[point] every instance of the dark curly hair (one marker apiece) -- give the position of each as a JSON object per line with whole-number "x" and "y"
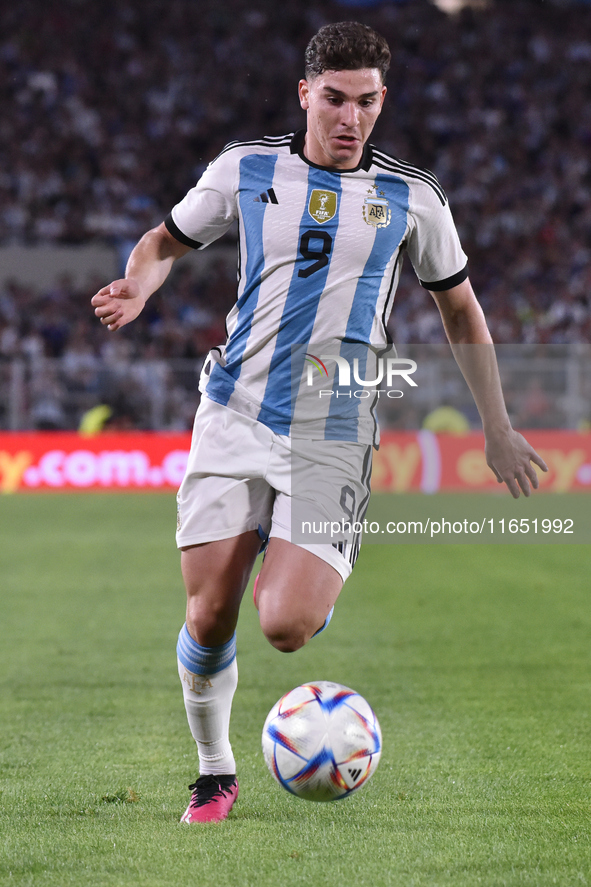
{"x": 346, "y": 46}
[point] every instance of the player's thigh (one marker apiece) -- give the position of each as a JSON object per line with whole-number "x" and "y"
{"x": 223, "y": 493}
{"x": 321, "y": 510}
{"x": 296, "y": 590}
{"x": 215, "y": 575}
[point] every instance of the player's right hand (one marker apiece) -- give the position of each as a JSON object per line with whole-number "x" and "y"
{"x": 118, "y": 303}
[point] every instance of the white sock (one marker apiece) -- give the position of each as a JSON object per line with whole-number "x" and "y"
{"x": 209, "y": 676}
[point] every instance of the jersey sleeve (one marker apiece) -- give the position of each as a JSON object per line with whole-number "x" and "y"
{"x": 433, "y": 244}
{"x": 207, "y": 210}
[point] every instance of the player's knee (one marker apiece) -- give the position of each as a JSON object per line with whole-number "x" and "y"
{"x": 284, "y": 636}
{"x": 286, "y": 643}
{"x": 210, "y": 626}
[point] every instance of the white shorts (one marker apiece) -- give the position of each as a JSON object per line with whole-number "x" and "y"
{"x": 239, "y": 478}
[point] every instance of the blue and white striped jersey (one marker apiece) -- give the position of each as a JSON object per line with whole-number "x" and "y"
{"x": 320, "y": 255}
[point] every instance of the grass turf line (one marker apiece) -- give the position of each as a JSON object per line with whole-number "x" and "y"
{"x": 476, "y": 659}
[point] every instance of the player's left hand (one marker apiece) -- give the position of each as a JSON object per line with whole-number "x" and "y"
{"x": 510, "y": 457}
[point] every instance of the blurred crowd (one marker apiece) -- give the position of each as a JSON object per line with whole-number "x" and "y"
{"x": 110, "y": 112}
{"x": 65, "y": 362}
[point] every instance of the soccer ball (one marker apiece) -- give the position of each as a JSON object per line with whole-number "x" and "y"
{"x": 322, "y": 741}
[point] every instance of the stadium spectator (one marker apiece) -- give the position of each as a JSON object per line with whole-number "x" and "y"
{"x": 111, "y": 111}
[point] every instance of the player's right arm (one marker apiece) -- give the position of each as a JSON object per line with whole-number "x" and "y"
{"x": 148, "y": 267}
{"x": 205, "y": 213}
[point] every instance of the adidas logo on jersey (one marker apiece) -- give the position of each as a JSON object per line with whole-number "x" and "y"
{"x": 268, "y": 196}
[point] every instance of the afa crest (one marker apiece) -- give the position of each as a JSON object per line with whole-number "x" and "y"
{"x": 376, "y": 209}
{"x": 322, "y": 206}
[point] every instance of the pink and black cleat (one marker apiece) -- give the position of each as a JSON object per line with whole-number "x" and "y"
{"x": 212, "y": 798}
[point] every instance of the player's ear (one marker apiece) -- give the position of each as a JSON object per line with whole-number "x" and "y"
{"x": 304, "y": 94}
{"x": 383, "y": 96}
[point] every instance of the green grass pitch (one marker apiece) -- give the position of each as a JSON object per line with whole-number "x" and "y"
{"x": 476, "y": 659}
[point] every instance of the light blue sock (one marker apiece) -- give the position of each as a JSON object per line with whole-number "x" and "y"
{"x": 204, "y": 660}
{"x": 326, "y": 621}
{"x": 209, "y": 676}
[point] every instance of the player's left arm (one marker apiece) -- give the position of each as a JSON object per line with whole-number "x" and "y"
{"x": 508, "y": 454}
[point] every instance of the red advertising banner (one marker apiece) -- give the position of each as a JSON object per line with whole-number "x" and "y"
{"x": 406, "y": 461}
{"x": 66, "y": 461}
{"x": 428, "y": 462}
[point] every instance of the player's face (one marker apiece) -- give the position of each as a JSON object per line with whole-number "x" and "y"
{"x": 342, "y": 107}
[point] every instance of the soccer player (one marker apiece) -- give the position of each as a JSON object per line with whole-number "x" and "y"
{"x": 324, "y": 220}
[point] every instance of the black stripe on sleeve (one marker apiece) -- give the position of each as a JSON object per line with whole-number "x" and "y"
{"x": 178, "y": 234}
{"x": 265, "y": 142}
{"x": 438, "y": 286}
{"x": 417, "y": 174}
{"x": 400, "y": 167}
